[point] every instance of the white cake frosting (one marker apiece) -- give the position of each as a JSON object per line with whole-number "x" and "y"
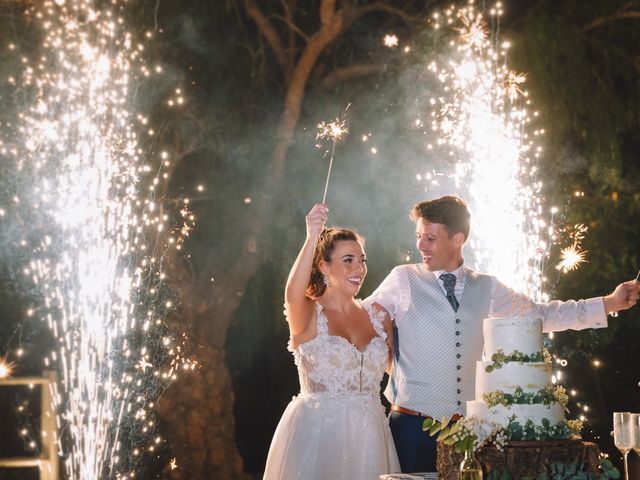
{"x": 523, "y": 334}
{"x": 531, "y": 377}
{"x": 504, "y": 336}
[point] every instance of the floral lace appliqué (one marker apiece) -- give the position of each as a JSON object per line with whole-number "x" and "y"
{"x": 330, "y": 364}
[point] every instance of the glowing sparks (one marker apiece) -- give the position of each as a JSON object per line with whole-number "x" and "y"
{"x": 474, "y": 30}
{"x": 573, "y": 256}
{"x": 512, "y": 84}
{"x": 570, "y": 258}
{"x": 143, "y": 365}
{"x": 6, "y": 369}
{"x": 88, "y": 193}
{"x": 173, "y": 464}
{"x": 390, "y": 41}
{"x": 482, "y": 128}
{"x": 578, "y": 231}
{"x": 331, "y": 130}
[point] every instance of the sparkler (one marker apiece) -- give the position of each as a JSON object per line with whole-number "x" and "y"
{"x": 390, "y": 40}
{"x": 333, "y": 130}
{"x": 637, "y": 276}
{"x": 573, "y": 256}
{"x": 570, "y": 258}
{"x": 81, "y": 174}
{"x": 6, "y": 369}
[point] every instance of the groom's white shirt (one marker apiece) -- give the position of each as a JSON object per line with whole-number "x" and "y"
{"x": 435, "y": 371}
{"x": 394, "y": 294}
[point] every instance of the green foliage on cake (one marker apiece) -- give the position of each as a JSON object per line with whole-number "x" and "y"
{"x": 544, "y": 396}
{"x": 467, "y": 434}
{"x": 471, "y": 433}
{"x": 532, "y": 432}
{"x": 499, "y": 358}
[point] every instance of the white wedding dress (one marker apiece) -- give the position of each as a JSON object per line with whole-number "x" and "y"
{"x": 336, "y": 427}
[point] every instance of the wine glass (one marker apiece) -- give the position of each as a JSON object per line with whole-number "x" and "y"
{"x": 635, "y": 432}
{"x": 622, "y": 436}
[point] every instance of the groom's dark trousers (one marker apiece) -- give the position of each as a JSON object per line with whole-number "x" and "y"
{"x": 416, "y": 449}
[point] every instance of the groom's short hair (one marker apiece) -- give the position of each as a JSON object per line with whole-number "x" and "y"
{"x": 450, "y": 210}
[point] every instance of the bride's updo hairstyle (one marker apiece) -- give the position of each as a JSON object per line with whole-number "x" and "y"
{"x": 325, "y": 247}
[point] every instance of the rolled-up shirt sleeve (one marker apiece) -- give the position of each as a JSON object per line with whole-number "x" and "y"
{"x": 393, "y": 294}
{"x": 386, "y": 295}
{"x": 556, "y": 315}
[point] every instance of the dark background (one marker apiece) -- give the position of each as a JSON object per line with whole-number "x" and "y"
{"x": 582, "y": 63}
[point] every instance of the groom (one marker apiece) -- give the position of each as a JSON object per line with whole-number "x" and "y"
{"x": 438, "y": 307}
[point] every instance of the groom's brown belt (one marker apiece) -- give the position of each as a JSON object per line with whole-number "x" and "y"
{"x": 397, "y": 408}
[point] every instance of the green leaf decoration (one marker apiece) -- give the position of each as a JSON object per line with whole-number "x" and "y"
{"x": 427, "y": 424}
{"x": 608, "y": 470}
{"x": 444, "y": 433}
{"x": 454, "y": 428}
{"x": 606, "y": 464}
{"x": 614, "y": 473}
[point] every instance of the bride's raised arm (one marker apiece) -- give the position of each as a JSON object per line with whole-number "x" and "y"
{"x": 299, "y": 306}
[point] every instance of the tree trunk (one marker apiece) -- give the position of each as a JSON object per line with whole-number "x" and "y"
{"x": 198, "y": 407}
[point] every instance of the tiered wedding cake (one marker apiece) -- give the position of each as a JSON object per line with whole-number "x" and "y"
{"x": 513, "y": 381}
{"x": 515, "y": 396}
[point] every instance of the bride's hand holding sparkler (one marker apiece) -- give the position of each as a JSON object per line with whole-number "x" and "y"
{"x": 298, "y": 305}
{"x": 623, "y": 297}
{"x": 316, "y": 220}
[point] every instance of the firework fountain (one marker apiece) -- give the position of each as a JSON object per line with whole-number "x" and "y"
{"x": 482, "y": 120}
{"x": 82, "y": 181}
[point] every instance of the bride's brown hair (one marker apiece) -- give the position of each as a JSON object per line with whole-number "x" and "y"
{"x": 325, "y": 247}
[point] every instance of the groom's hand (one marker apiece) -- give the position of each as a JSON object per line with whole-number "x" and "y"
{"x": 623, "y": 297}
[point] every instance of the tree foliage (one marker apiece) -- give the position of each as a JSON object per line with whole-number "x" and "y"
{"x": 583, "y": 72}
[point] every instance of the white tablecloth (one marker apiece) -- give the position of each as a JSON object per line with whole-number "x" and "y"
{"x": 410, "y": 476}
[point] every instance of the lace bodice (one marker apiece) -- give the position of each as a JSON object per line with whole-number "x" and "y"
{"x": 330, "y": 364}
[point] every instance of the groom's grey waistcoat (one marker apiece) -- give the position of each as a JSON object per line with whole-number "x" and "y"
{"x": 438, "y": 348}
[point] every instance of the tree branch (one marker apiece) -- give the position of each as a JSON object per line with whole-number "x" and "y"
{"x": 327, "y": 11}
{"x": 293, "y": 28}
{"x": 266, "y": 29}
{"x": 381, "y": 7}
{"x": 289, "y": 7}
{"x": 621, "y": 14}
{"x": 341, "y": 74}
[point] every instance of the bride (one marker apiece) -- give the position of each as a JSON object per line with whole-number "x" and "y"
{"x": 336, "y": 427}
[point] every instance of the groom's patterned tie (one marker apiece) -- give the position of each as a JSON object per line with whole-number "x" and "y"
{"x": 449, "y": 280}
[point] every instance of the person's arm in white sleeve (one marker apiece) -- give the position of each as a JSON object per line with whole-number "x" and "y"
{"x": 387, "y": 295}
{"x": 556, "y": 315}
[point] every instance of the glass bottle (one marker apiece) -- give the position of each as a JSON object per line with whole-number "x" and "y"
{"x": 470, "y": 468}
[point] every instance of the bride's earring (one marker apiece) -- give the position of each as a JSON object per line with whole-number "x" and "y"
{"x": 325, "y": 280}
